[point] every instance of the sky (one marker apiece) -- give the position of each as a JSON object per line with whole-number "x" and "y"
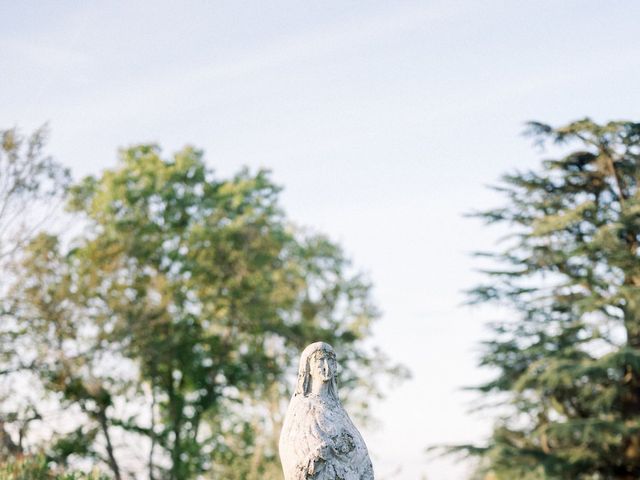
{"x": 384, "y": 122}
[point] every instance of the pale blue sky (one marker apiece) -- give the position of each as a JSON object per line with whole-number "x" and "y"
{"x": 383, "y": 120}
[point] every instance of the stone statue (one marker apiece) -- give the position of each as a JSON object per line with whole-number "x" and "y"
{"x": 318, "y": 440}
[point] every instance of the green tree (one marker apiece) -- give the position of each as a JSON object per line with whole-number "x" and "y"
{"x": 568, "y": 364}
{"x": 37, "y": 468}
{"x": 207, "y": 291}
{"x": 32, "y": 186}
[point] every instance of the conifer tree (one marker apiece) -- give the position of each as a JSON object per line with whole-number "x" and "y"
{"x": 568, "y": 362}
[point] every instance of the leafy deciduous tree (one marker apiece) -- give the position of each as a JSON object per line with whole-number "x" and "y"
{"x": 205, "y": 288}
{"x": 32, "y": 185}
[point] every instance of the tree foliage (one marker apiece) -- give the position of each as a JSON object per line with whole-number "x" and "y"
{"x": 32, "y": 185}
{"x": 188, "y": 296}
{"x": 37, "y": 468}
{"x": 569, "y": 362}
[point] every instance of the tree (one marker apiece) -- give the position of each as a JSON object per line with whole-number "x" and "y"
{"x": 32, "y": 186}
{"x": 568, "y": 364}
{"x": 37, "y": 468}
{"x": 207, "y": 292}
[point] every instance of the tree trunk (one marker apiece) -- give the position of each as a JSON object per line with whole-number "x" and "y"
{"x": 113, "y": 464}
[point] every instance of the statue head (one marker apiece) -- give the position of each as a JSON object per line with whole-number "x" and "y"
{"x": 317, "y": 364}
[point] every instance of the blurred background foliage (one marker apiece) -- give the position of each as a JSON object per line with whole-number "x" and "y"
{"x": 37, "y": 467}
{"x": 567, "y": 362}
{"x": 156, "y": 337}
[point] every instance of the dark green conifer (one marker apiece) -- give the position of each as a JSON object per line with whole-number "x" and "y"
{"x": 568, "y": 362}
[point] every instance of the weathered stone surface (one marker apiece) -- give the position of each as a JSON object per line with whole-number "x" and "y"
{"x": 318, "y": 440}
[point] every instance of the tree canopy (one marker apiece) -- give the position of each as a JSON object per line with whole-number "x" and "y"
{"x": 176, "y": 313}
{"x": 31, "y": 183}
{"x": 32, "y": 186}
{"x": 568, "y": 362}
